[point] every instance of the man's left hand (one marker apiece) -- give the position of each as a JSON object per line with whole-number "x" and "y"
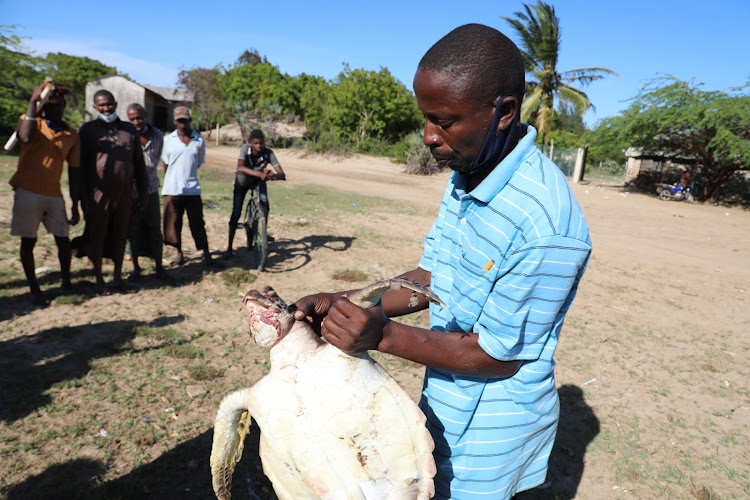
{"x": 352, "y": 329}
{"x": 75, "y": 217}
{"x": 142, "y": 204}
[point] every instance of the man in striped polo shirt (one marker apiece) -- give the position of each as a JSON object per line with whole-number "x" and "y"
{"x": 506, "y": 254}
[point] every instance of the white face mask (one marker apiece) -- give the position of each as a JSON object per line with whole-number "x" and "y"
{"x": 108, "y": 118}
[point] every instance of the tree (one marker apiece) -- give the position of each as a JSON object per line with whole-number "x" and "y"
{"x": 675, "y": 116}
{"x": 18, "y": 77}
{"x": 74, "y": 72}
{"x": 252, "y": 92}
{"x": 207, "y": 100}
{"x": 369, "y": 104}
{"x": 539, "y": 31}
{"x": 251, "y": 57}
{"x": 606, "y": 141}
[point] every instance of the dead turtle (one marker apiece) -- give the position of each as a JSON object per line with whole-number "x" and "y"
{"x": 333, "y": 426}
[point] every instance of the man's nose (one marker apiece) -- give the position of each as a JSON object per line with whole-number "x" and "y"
{"x": 431, "y": 136}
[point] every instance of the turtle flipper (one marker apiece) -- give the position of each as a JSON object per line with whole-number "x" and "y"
{"x": 370, "y": 295}
{"x": 230, "y": 428}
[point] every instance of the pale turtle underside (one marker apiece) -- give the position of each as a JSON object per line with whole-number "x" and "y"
{"x": 333, "y": 426}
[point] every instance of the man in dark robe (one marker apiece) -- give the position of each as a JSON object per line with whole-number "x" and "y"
{"x": 111, "y": 159}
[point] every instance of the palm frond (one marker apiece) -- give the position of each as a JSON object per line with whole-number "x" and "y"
{"x": 576, "y": 97}
{"x": 584, "y": 76}
{"x": 531, "y": 103}
{"x": 538, "y": 32}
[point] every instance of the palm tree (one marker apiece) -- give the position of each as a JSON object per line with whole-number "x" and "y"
{"x": 539, "y": 31}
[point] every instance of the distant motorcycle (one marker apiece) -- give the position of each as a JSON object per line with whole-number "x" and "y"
{"x": 676, "y": 192}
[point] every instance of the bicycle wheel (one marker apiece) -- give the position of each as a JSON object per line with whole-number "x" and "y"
{"x": 260, "y": 249}
{"x": 249, "y": 222}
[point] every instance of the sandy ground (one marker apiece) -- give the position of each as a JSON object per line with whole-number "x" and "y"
{"x": 657, "y": 340}
{"x": 653, "y": 362}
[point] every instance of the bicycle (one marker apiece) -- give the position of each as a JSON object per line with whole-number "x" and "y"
{"x": 256, "y": 231}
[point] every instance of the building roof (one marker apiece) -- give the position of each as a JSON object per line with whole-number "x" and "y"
{"x": 172, "y": 94}
{"x": 168, "y": 93}
{"x": 633, "y": 152}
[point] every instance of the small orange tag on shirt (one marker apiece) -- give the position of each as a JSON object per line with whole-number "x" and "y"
{"x": 489, "y": 265}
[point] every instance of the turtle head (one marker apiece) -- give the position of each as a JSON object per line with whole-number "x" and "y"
{"x": 270, "y": 317}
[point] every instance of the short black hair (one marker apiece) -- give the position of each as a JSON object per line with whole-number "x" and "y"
{"x": 481, "y": 60}
{"x": 257, "y": 133}
{"x": 105, "y": 93}
{"x": 137, "y": 107}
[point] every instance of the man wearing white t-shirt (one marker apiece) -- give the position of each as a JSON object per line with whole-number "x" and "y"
{"x": 184, "y": 151}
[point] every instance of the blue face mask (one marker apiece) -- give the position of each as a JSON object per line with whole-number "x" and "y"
{"x": 108, "y": 118}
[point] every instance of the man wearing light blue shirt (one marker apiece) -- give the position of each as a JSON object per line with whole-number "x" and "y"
{"x": 184, "y": 151}
{"x": 506, "y": 254}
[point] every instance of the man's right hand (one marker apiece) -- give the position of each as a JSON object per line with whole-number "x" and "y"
{"x": 36, "y": 95}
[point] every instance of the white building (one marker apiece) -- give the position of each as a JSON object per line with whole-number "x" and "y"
{"x": 159, "y": 102}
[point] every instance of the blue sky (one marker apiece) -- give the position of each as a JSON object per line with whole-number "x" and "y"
{"x": 152, "y": 41}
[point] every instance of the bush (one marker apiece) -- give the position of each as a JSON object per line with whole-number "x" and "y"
{"x": 422, "y": 163}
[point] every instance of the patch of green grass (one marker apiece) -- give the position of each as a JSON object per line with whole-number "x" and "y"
{"x": 206, "y": 372}
{"x": 303, "y": 201}
{"x": 237, "y": 277}
{"x": 70, "y": 383}
{"x": 182, "y": 351}
{"x": 350, "y": 275}
{"x": 156, "y": 333}
{"x": 74, "y": 299}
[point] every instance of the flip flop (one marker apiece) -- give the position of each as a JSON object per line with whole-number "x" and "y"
{"x": 178, "y": 261}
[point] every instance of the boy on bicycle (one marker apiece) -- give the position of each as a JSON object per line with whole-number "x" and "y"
{"x": 256, "y": 165}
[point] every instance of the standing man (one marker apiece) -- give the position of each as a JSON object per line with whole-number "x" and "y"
{"x": 184, "y": 151}
{"x": 111, "y": 159}
{"x": 144, "y": 232}
{"x": 256, "y": 165}
{"x": 506, "y": 254}
{"x": 46, "y": 142}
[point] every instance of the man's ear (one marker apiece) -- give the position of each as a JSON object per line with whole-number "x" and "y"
{"x": 508, "y": 111}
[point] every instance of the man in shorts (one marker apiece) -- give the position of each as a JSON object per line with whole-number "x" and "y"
{"x": 256, "y": 165}
{"x": 46, "y": 142}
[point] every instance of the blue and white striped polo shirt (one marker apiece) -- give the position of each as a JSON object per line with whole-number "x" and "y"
{"x": 506, "y": 259}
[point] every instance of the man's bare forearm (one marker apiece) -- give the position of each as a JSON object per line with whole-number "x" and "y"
{"x": 453, "y": 352}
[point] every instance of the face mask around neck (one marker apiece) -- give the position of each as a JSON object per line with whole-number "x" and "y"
{"x": 108, "y": 118}
{"x": 494, "y": 146}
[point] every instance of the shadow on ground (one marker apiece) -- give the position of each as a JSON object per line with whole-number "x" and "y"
{"x": 31, "y": 364}
{"x": 577, "y": 428}
{"x": 181, "y": 473}
{"x": 83, "y": 286}
{"x": 289, "y": 255}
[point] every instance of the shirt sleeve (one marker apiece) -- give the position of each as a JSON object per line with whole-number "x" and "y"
{"x": 165, "y": 151}
{"x": 243, "y": 152}
{"x": 272, "y": 159}
{"x": 202, "y": 153}
{"x": 158, "y": 145}
{"x": 531, "y": 296}
{"x": 74, "y": 154}
{"x": 427, "y": 255}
